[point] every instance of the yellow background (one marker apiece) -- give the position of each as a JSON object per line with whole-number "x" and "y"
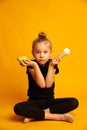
{"x": 65, "y": 23}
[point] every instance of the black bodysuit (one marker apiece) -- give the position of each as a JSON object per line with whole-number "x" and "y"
{"x": 34, "y": 90}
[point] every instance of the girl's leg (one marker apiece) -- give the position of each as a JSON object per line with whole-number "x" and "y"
{"x": 58, "y": 117}
{"x": 64, "y": 105}
{"x": 28, "y": 111}
{"x": 24, "y": 109}
{"x": 59, "y": 109}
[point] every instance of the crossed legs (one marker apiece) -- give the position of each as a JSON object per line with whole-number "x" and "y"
{"x": 57, "y": 110}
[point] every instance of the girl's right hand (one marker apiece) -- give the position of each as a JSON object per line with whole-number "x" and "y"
{"x": 22, "y": 63}
{"x": 28, "y": 63}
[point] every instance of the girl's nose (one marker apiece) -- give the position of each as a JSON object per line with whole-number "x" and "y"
{"x": 41, "y": 54}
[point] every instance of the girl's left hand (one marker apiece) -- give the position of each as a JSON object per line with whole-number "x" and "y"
{"x": 55, "y": 61}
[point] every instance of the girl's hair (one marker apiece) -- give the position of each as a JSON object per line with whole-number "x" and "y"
{"x": 41, "y": 38}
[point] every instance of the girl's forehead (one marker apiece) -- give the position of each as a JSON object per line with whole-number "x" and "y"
{"x": 42, "y": 44}
{"x": 42, "y": 47}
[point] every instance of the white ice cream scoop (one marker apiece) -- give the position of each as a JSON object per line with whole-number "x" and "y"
{"x": 67, "y": 50}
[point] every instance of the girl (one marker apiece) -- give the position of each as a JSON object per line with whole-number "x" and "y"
{"x": 41, "y": 72}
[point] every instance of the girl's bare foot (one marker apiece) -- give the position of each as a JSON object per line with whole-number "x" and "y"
{"x": 68, "y": 117}
{"x": 26, "y": 120}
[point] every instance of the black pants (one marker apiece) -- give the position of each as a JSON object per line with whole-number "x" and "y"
{"x": 34, "y": 108}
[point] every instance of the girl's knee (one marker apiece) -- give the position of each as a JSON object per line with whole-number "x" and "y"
{"x": 75, "y": 103}
{"x": 17, "y": 108}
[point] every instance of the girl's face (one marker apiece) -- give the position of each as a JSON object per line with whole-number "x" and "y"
{"x": 42, "y": 52}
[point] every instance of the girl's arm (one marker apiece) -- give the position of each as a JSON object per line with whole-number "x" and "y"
{"x": 36, "y": 73}
{"x": 50, "y": 76}
{"x": 51, "y": 72}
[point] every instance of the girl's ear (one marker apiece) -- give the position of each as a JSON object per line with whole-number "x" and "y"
{"x": 50, "y": 54}
{"x": 32, "y": 52}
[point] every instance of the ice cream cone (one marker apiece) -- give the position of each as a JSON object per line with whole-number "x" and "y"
{"x": 66, "y": 51}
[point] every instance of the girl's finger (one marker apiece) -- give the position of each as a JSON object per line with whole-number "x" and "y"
{"x": 22, "y": 63}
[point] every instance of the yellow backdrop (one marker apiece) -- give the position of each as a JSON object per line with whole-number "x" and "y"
{"x": 65, "y": 23}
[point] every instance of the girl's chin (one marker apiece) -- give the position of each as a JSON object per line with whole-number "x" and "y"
{"x": 42, "y": 62}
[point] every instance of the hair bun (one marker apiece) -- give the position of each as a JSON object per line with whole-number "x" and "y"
{"x": 42, "y": 35}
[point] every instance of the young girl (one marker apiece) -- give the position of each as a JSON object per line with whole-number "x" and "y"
{"x": 41, "y": 71}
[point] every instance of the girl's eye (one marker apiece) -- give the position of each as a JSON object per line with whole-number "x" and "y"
{"x": 45, "y": 51}
{"x": 37, "y": 52}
